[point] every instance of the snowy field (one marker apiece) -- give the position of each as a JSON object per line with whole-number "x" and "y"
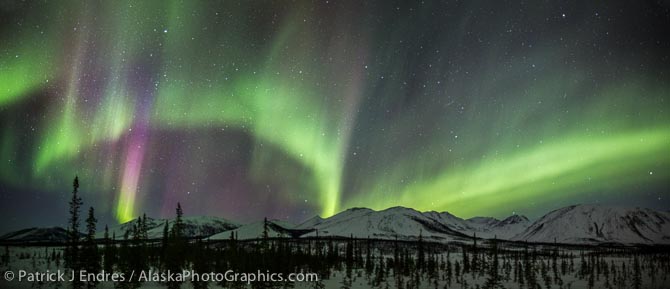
{"x": 569, "y": 269}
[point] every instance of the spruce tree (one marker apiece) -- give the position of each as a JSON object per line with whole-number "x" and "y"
{"x": 449, "y": 273}
{"x": 108, "y": 261}
{"x": 396, "y": 252}
{"x": 72, "y": 248}
{"x": 91, "y": 222}
{"x": 72, "y": 254}
{"x": 466, "y": 261}
{"x": 124, "y": 266}
{"x": 176, "y": 249}
{"x": 265, "y": 228}
{"x": 637, "y": 274}
{"x": 5, "y": 258}
{"x": 138, "y": 259}
{"x": 91, "y": 256}
{"x": 421, "y": 255}
{"x": 164, "y": 244}
{"x": 349, "y": 252}
{"x": 200, "y": 265}
{"x": 145, "y": 227}
{"x": 474, "y": 264}
{"x": 178, "y": 226}
{"x": 493, "y": 280}
{"x": 457, "y": 271}
{"x": 166, "y": 231}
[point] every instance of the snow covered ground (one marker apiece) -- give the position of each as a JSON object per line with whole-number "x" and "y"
{"x": 567, "y": 273}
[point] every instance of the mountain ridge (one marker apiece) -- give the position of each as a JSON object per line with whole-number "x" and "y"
{"x": 575, "y": 224}
{"x": 590, "y": 224}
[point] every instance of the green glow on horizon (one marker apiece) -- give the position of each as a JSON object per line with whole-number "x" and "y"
{"x": 588, "y": 163}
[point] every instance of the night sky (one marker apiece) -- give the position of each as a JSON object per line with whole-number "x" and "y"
{"x": 288, "y": 109}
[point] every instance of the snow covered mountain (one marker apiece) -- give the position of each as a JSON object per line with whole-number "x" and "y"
{"x": 586, "y": 224}
{"x": 510, "y": 227}
{"x": 194, "y": 226}
{"x": 119, "y": 230}
{"x": 54, "y": 234}
{"x": 579, "y": 224}
{"x": 276, "y": 228}
{"x": 310, "y": 223}
{"x": 403, "y": 223}
{"x": 487, "y": 227}
{"x": 199, "y": 226}
{"x": 406, "y": 223}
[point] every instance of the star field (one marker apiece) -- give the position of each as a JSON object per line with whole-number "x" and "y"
{"x": 286, "y": 110}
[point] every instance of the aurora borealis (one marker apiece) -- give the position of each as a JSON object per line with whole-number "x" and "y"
{"x": 246, "y": 109}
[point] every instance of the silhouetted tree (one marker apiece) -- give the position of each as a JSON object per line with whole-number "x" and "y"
{"x": 109, "y": 253}
{"x": 474, "y": 264}
{"x": 265, "y": 228}
{"x": 177, "y": 248}
{"x": 466, "y": 261}
{"x": 421, "y": 254}
{"x": 201, "y": 265}
{"x": 493, "y": 280}
{"x": 91, "y": 256}
{"x": 124, "y": 264}
{"x": 349, "y": 251}
{"x": 164, "y": 244}
{"x": 178, "y": 226}
{"x": 5, "y": 257}
{"x": 144, "y": 228}
{"x": 637, "y": 274}
{"x": 72, "y": 249}
{"x": 138, "y": 258}
{"x": 166, "y": 232}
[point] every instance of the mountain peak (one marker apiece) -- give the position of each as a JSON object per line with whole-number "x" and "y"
{"x": 400, "y": 209}
{"x": 515, "y": 219}
{"x": 483, "y": 220}
{"x": 588, "y": 223}
{"x": 358, "y": 209}
{"x": 310, "y": 223}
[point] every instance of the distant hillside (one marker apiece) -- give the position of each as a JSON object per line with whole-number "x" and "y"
{"x": 579, "y": 224}
{"x": 586, "y": 224}
{"x": 54, "y": 234}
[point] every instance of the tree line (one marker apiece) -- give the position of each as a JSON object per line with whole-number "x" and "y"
{"x": 478, "y": 264}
